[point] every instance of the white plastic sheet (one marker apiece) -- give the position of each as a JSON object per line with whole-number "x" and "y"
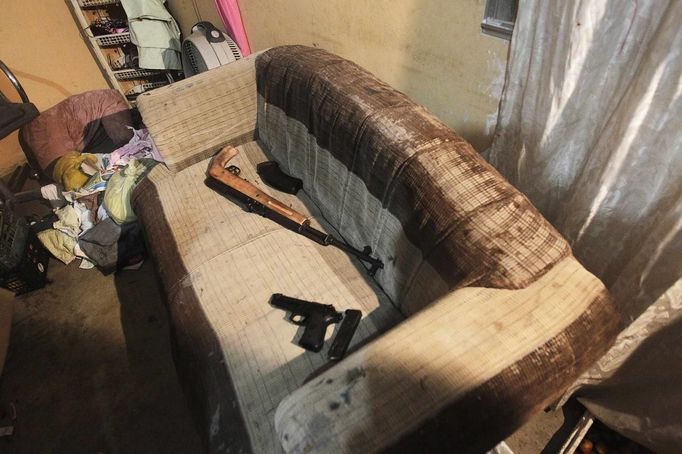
{"x": 590, "y": 128}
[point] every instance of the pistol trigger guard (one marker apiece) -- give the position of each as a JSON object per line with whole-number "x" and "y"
{"x": 297, "y": 319}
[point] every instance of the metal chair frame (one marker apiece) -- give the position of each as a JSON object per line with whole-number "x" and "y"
{"x": 10, "y": 198}
{"x": 17, "y": 85}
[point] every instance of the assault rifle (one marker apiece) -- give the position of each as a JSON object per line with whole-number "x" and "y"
{"x": 225, "y": 179}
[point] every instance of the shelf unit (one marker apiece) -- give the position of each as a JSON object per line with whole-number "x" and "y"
{"x": 106, "y": 49}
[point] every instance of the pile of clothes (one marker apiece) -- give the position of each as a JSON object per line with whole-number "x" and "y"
{"x": 93, "y": 218}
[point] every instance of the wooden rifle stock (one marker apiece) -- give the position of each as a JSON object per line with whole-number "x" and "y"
{"x": 265, "y": 205}
{"x": 217, "y": 170}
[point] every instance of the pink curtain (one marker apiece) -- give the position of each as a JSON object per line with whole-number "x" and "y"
{"x": 232, "y": 19}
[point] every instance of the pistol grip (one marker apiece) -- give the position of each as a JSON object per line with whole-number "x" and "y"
{"x": 313, "y": 336}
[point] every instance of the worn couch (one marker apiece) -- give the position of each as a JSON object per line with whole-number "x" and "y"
{"x": 480, "y": 318}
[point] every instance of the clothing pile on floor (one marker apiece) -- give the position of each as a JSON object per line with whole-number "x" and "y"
{"x": 93, "y": 218}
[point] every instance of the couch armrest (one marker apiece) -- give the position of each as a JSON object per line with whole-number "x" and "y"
{"x": 190, "y": 119}
{"x": 460, "y": 375}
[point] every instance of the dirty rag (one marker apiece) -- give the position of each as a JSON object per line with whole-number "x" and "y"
{"x": 53, "y": 194}
{"x": 120, "y": 188}
{"x": 69, "y": 221}
{"x": 68, "y": 172}
{"x": 85, "y": 217}
{"x": 59, "y": 244}
{"x": 112, "y": 246}
{"x": 140, "y": 146}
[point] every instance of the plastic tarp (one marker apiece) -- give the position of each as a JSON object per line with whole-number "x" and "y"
{"x": 590, "y": 128}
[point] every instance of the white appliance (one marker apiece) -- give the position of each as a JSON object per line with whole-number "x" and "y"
{"x": 207, "y": 48}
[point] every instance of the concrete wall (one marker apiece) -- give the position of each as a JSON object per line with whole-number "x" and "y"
{"x": 433, "y": 50}
{"x": 41, "y": 44}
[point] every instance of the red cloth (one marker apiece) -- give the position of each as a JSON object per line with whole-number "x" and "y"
{"x": 73, "y": 123}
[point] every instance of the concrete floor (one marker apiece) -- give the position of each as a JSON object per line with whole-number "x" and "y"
{"x": 90, "y": 370}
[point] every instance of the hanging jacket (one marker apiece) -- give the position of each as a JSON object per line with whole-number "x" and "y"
{"x": 155, "y": 33}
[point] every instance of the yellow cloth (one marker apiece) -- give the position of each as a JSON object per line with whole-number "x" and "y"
{"x": 67, "y": 170}
{"x": 119, "y": 189}
{"x": 59, "y": 244}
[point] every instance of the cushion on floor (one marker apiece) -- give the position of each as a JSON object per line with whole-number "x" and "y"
{"x": 75, "y": 124}
{"x": 200, "y": 242}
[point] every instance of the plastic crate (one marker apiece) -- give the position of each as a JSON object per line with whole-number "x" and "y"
{"x": 13, "y": 233}
{"x": 31, "y": 271}
{"x": 113, "y": 40}
{"x": 125, "y": 74}
{"x": 94, "y": 3}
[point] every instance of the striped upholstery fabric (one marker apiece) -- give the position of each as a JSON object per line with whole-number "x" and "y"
{"x": 221, "y": 102}
{"x": 500, "y": 316}
{"x": 219, "y": 265}
{"x": 460, "y": 375}
{"x": 386, "y": 173}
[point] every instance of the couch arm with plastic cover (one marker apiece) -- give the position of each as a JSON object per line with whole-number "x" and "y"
{"x": 189, "y": 120}
{"x": 458, "y": 376}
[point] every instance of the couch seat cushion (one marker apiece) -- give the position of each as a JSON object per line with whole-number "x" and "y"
{"x": 219, "y": 265}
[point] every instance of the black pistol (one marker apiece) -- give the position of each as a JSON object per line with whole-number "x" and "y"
{"x": 315, "y": 317}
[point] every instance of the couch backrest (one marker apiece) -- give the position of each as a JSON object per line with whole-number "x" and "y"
{"x": 191, "y": 119}
{"x": 386, "y": 173}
